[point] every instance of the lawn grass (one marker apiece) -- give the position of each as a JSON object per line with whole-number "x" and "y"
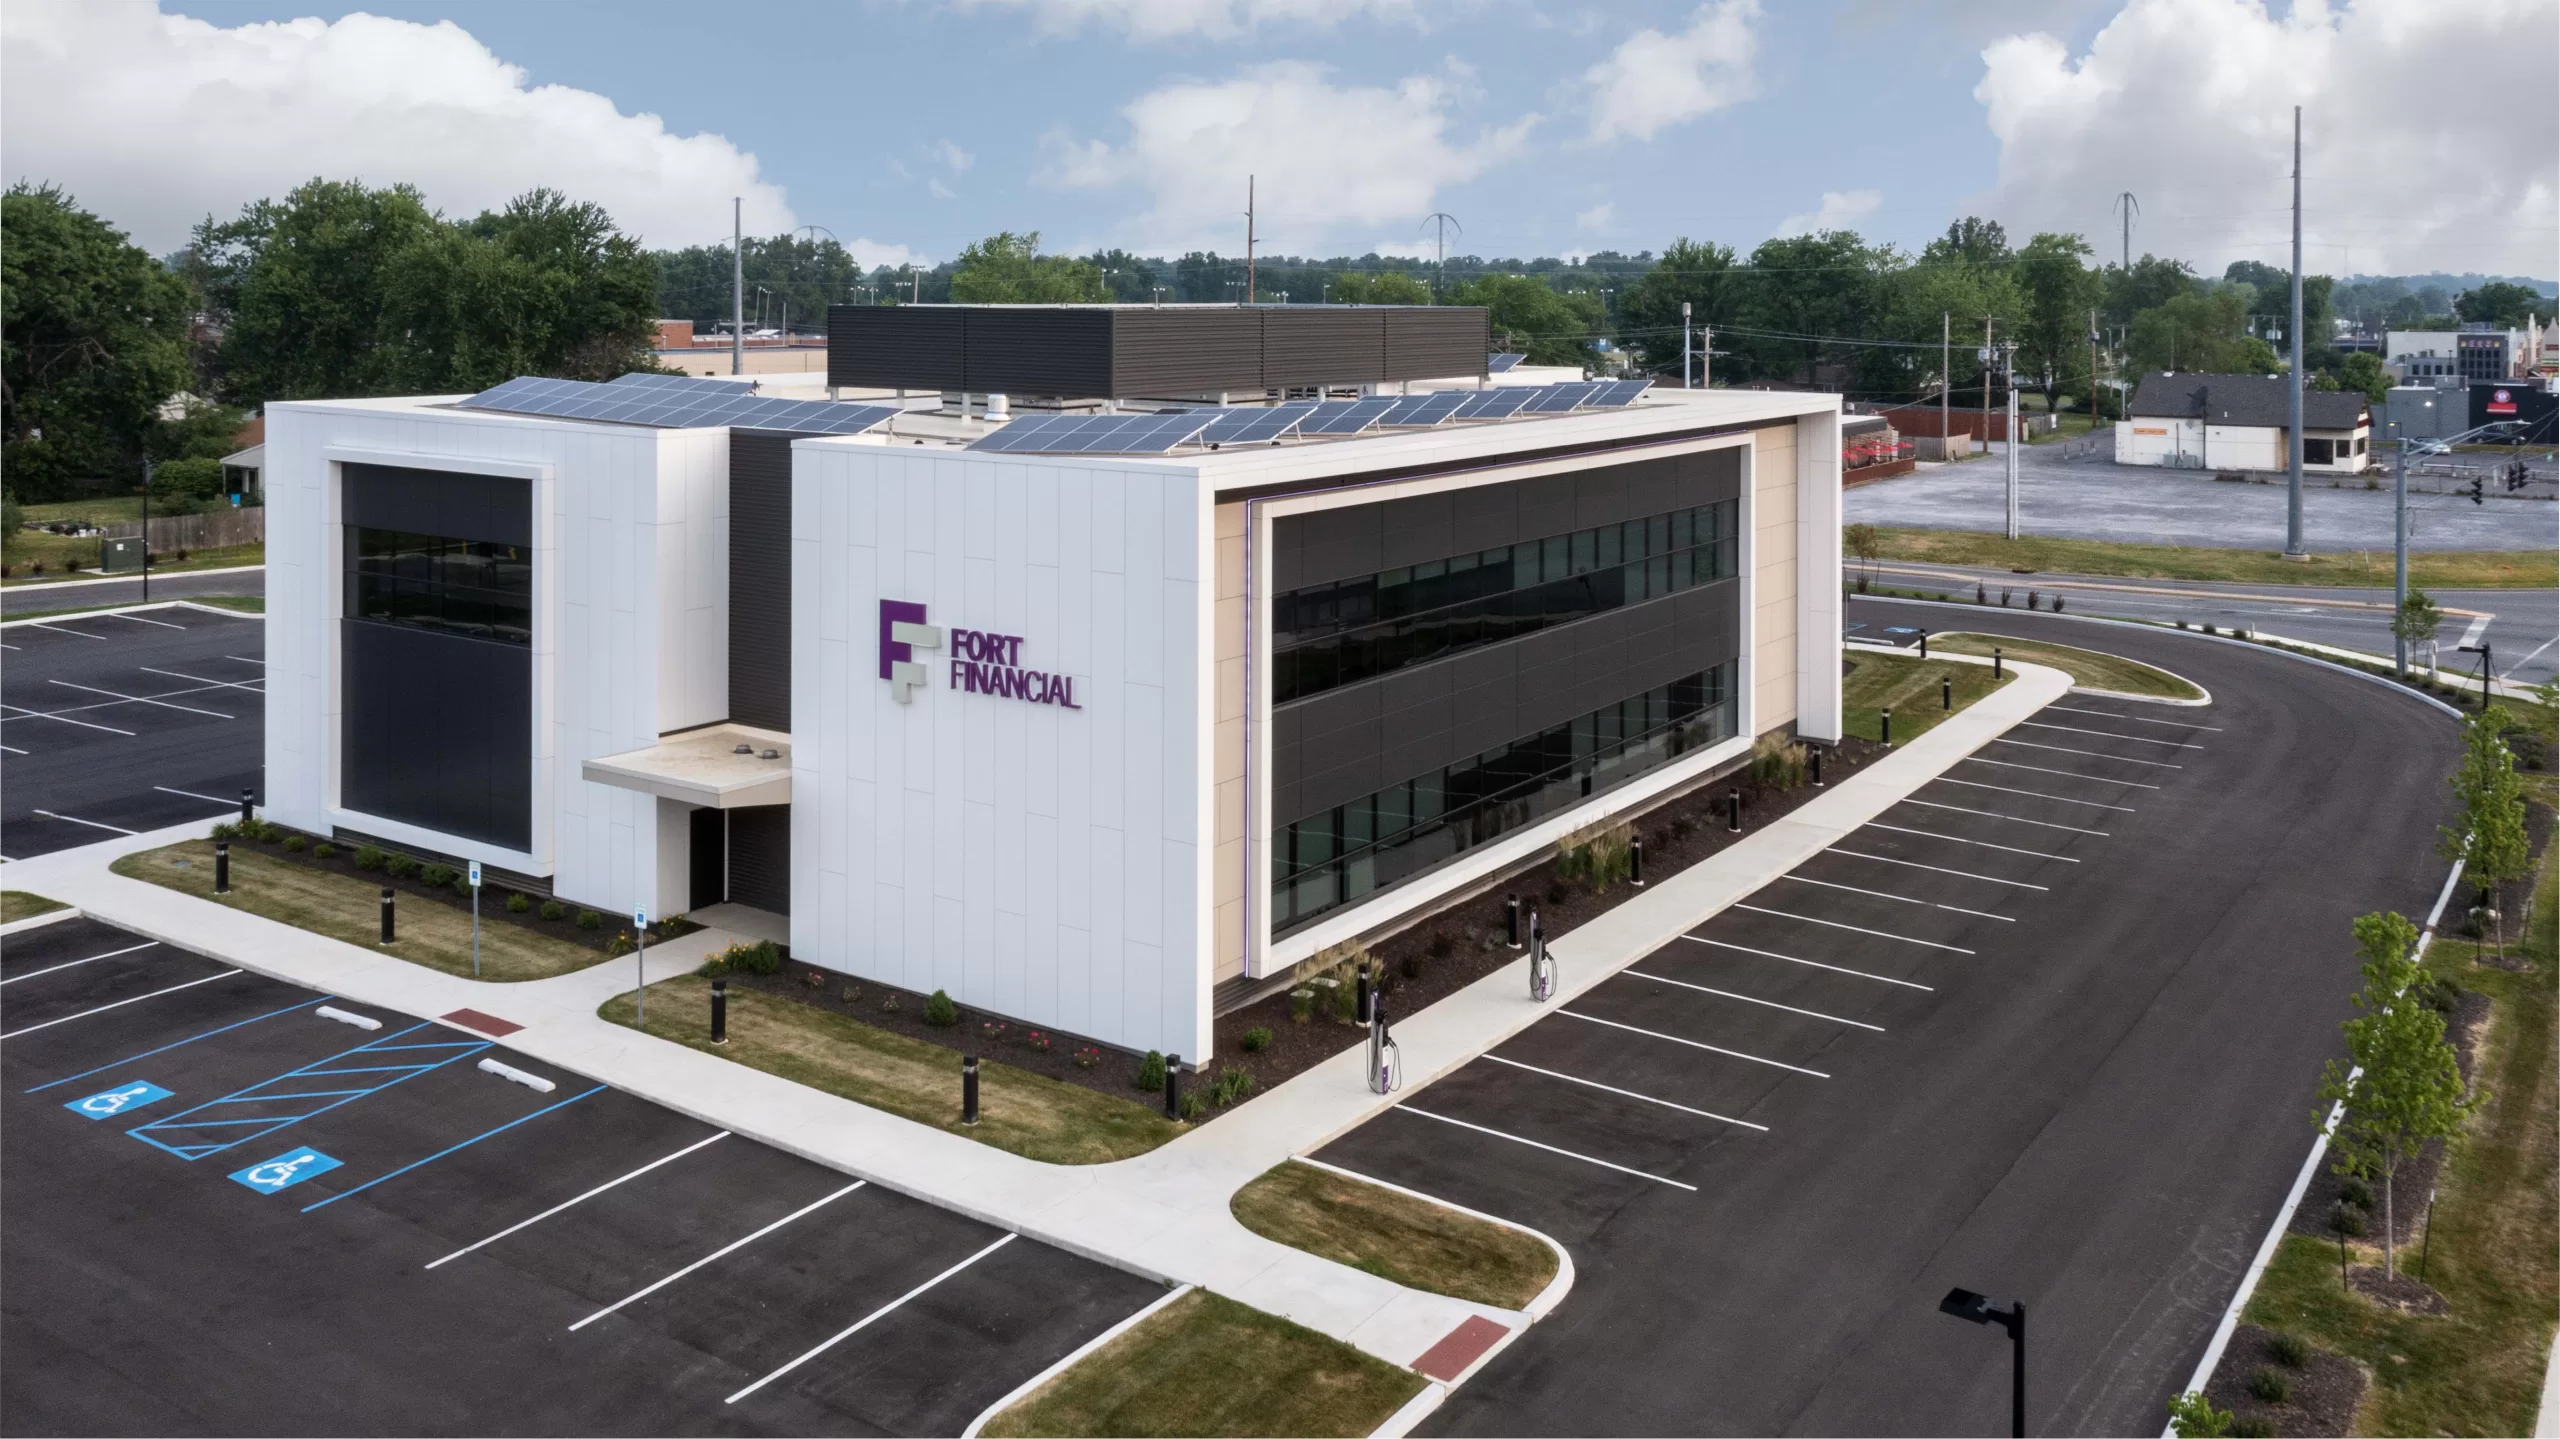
{"x": 1409, "y": 1241}
{"x": 18, "y": 904}
{"x": 1207, "y": 1365}
{"x": 1908, "y": 685}
{"x": 2478, "y": 1368}
{"x": 1019, "y": 1112}
{"x": 2087, "y": 668}
{"x": 64, "y": 559}
{"x": 2431, "y": 569}
{"x": 104, "y": 510}
{"x": 345, "y": 908}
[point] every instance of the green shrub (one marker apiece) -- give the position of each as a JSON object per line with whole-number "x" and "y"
{"x": 1255, "y": 1040}
{"x": 1599, "y": 856}
{"x": 295, "y": 844}
{"x": 2290, "y": 1350}
{"x": 939, "y": 1011}
{"x": 551, "y": 909}
{"x": 324, "y": 850}
{"x": 1346, "y": 993}
{"x": 517, "y": 903}
{"x": 2354, "y": 1190}
{"x": 400, "y": 866}
{"x": 226, "y": 831}
{"x": 1777, "y": 763}
{"x": 2269, "y": 1384}
{"x": 2253, "y": 1427}
{"x": 2192, "y": 1416}
{"x": 1230, "y": 1086}
{"x": 179, "y": 486}
{"x": 264, "y": 831}
{"x": 1302, "y": 1005}
{"x": 619, "y": 945}
{"x": 588, "y": 919}
{"x": 2348, "y": 1220}
{"x": 437, "y": 876}
{"x": 1192, "y": 1107}
{"x": 712, "y": 967}
{"x": 1151, "y": 1071}
{"x": 762, "y": 957}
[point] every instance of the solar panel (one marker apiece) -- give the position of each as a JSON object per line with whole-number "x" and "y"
{"x": 1556, "y": 399}
{"x": 1496, "y": 364}
{"x": 1495, "y": 404}
{"x": 1618, "y": 394}
{"x": 1096, "y": 434}
{"x": 1423, "y": 410}
{"x": 683, "y": 404}
{"x": 641, "y": 380}
{"x": 1341, "y": 419}
{"x": 1255, "y": 426}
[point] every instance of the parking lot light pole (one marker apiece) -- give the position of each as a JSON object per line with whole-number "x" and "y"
{"x": 1979, "y": 1308}
{"x": 640, "y": 965}
{"x": 2399, "y": 550}
{"x": 475, "y": 919}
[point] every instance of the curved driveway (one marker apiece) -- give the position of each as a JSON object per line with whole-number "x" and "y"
{"x": 2096, "y": 1103}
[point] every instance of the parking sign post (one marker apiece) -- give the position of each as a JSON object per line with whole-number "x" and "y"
{"x": 475, "y": 919}
{"x": 640, "y": 960}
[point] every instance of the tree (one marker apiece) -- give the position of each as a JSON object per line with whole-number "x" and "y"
{"x": 1531, "y": 317}
{"x": 1970, "y": 241}
{"x": 1394, "y": 287}
{"x": 2151, "y": 283}
{"x": 2401, "y": 1084}
{"x": 2501, "y": 303}
{"x": 2491, "y": 843}
{"x": 1803, "y": 287}
{"x": 2199, "y": 333}
{"x": 297, "y": 288}
{"x": 1008, "y": 269}
{"x": 95, "y": 338}
{"x": 1704, "y": 276}
{"x": 2361, "y": 370}
{"x": 1866, "y": 544}
{"x": 2059, "y": 291}
{"x": 184, "y": 486}
{"x": 2417, "y": 620}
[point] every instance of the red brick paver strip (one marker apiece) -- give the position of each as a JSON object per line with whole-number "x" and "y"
{"x": 1449, "y": 1358}
{"x": 488, "y": 1024}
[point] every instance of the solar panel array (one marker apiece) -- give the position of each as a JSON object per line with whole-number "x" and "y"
{"x": 694, "y": 382}
{"x": 1265, "y": 424}
{"x": 1255, "y": 426}
{"x": 1496, "y": 404}
{"x": 1345, "y": 419}
{"x": 1424, "y": 410}
{"x": 1496, "y": 364}
{"x": 1558, "y": 399}
{"x": 674, "y": 402}
{"x": 1097, "y": 434}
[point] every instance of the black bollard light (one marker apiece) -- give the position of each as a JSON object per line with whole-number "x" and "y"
{"x": 222, "y": 866}
{"x": 1884, "y": 727}
{"x": 1173, "y": 1086}
{"x": 1511, "y": 920}
{"x": 719, "y": 1011}
{"x": 1995, "y": 662}
{"x": 1733, "y": 809}
{"x": 968, "y": 1089}
{"x": 386, "y": 914}
{"x": 1816, "y": 760}
{"x": 1946, "y": 692}
{"x": 1924, "y": 644}
{"x": 248, "y": 805}
{"x": 1367, "y": 994}
{"x": 1635, "y": 861}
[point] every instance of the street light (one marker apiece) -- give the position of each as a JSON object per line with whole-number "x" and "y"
{"x": 1965, "y": 1304}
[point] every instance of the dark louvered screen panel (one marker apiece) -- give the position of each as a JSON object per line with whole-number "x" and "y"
{"x": 760, "y": 579}
{"x": 1038, "y": 351}
{"x": 1427, "y": 341}
{"x": 1185, "y": 351}
{"x": 760, "y": 857}
{"x": 916, "y": 347}
{"x": 1327, "y": 346}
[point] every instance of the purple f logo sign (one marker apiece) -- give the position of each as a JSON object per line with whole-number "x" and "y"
{"x": 903, "y": 632}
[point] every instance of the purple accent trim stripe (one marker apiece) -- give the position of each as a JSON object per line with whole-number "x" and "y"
{"x": 893, "y": 651}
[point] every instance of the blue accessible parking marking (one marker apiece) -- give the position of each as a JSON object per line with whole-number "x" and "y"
{"x": 108, "y": 1103}
{"x": 1900, "y": 630}
{"x": 271, "y": 1104}
{"x": 284, "y": 1171}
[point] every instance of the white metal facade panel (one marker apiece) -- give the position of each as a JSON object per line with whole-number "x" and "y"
{"x": 1818, "y": 568}
{"x": 1040, "y": 862}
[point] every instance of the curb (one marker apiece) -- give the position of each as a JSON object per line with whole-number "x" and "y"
{"x": 1537, "y": 1308}
{"x": 1415, "y": 1410}
{"x": 1025, "y": 1389}
{"x": 39, "y": 921}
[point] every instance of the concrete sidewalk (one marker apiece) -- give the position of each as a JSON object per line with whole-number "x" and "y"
{"x": 1162, "y": 1214}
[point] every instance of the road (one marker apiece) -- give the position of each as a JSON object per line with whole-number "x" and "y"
{"x": 2050, "y": 1030}
{"x": 2096, "y": 499}
{"x": 2522, "y": 627}
{"x": 86, "y": 594}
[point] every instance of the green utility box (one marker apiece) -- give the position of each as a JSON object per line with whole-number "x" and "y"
{"x": 121, "y": 557}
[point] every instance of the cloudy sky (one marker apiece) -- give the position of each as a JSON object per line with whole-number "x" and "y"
{"x": 1542, "y": 126}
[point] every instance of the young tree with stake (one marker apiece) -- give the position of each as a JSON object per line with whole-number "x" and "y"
{"x": 2416, "y": 622}
{"x": 1865, "y": 544}
{"x": 2401, "y": 1085}
{"x": 2491, "y": 843}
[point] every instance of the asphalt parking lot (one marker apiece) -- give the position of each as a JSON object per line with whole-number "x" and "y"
{"x": 115, "y": 723}
{"x": 2049, "y": 1029}
{"x": 228, "y": 1211}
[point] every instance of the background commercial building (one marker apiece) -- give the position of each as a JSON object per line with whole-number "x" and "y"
{"x": 1092, "y": 716}
{"x": 2239, "y": 422}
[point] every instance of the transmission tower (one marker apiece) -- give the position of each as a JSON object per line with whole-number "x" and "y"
{"x": 1440, "y": 252}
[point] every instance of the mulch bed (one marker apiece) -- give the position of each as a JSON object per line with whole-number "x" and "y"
{"x": 2322, "y": 1394}
{"x": 2514, "y": 901}
{"x": 2416, "y": 1175}
{"x": 1453, "y": 948}
{"x": 2398, "y": 1291}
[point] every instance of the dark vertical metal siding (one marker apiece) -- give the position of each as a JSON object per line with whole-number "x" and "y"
{"x": 1429, "y": 341}
{"x": 916, "y": 346}
{"x": 1183, "y": 352}
{"x": 1330, "y": 346}
{"x": 437, "y": 731}
{"x": 1036, "y": 352}
{"x": 760, "y": 857}
{"x": 760, "y": 579}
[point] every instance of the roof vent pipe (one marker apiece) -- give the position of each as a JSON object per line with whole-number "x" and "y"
{"x": 998, "y": 408}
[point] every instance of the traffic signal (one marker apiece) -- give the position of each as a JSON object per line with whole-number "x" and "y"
{"x": 2477, "y": 485}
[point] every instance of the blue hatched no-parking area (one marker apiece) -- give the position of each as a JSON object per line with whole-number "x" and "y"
{"x": 289, "y": 1098}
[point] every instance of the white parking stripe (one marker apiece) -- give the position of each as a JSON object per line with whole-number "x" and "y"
{"x": 1854, "y": 929}
{"x": 72, "y": 819}
{"x": 191, "y": 794}
{"x": 244, "y": 659}
{"x": 137, "y": 619}
{"x": 84, "y": 724}
{"x": 250, "y": 685}
{"x": 143, "y": 699}
{"x": 1807, "y": 963}
{"x": 1906, "y": 899}
{"x": 2036, "y": 794}
{"x": 2011, "y": 818}
{"x": 866, "y": 1320}
{"x": 1551, "y": 1149}
{"x": 57, "y": 629}
{"x": 2092, "y": 754}
{"x": 2136, "y": 719}
{"x": 2110, "y": 734}
{"x": 76, "y": 963}
{"x": 583, "y": 1198}
{"x": 1977, "y": 843}
{"x": 111, "y": 704}
{"x": 731, "y": 1247}
{"x": 1628, "y": 1093}
{"x": 1747, "y": 999}
{"x": 2064, "y": 773}
{"x": 1936, "y": 869}
{"x": 10, "y": 749}
{"x": 1693, "y": 1044}
{"x": 119, "y": 1004}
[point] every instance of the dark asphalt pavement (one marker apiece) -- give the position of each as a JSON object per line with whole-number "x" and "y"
{"x": 2050, "y": 1031}
{"x": 32, "y": 599}
{"x": 324, "y": 1229}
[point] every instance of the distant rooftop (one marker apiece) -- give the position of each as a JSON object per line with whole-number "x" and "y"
{"x": 2251, "y": 400}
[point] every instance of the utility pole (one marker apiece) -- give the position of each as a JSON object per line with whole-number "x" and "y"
{"x": 146, "y": 532}
{"x": 2009, "y": 369}
{"x": 2400, "y": 553}
{"x": 1946, "y": 379}
{"x": 737, "y": 285}
{"x": 1248, "y": 239}
{"x": 2093, "y": 370}
{"x": 1706, "y": 356}
{"x": 1986, "y": 381}
{"x": 2293, "y": 382}
{"x": 1685, "y": 367}
{"x": 2126, "y": 203}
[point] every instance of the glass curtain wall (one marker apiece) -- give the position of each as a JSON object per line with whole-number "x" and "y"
{"x": 469, "y": 588}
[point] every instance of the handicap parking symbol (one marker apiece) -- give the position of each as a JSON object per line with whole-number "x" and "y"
{"x": 108, "y": 1103}
{"x": 284, "y": 1171}
{"x": 1900, "y": 630}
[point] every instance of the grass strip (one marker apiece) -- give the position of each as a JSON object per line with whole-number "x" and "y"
{"x": 2087, "y": 668}
{"x": 1019, "y": 1112}
{"x": 65, "y": 558}
{"x": 2478, "y": 1368}
{"x": 1396, "y": 1237}
{"x": 2430, "y": 569}
{"x": 1907, "y": 685}
{"x": 434, "y": 935}
{"x": 18, "y": 904}
{"x": 1207, "y": 1365}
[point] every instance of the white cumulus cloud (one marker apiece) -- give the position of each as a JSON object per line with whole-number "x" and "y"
{"x": 1213, "y": 19}
{"x": 1327, "y": 159}
{"x": 2188, "y": 104}
{"x": 1839, "y": 210}
{"x": 156, "y": 120}
{"x": 1652, "y": 80}
{"x": 1597, "y": 217}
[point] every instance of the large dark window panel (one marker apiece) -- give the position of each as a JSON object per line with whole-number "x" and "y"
{"x": 760, "y": 579}
{"x": 760, "y": 857}
{"x": 488, "y": 508}
{"x": 471, "y": 588}
{"x": 437, "y": 731}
